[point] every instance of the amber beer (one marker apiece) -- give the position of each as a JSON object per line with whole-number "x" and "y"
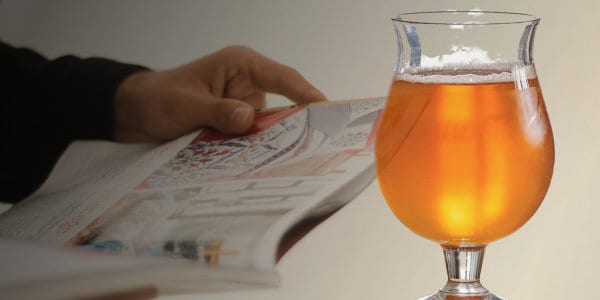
{"x": 464, "y": 159}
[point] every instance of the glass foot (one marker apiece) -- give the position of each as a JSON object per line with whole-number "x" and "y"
{"x": 444, "y": 296}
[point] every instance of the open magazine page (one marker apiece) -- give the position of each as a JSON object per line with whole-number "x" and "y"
{"x": 220, "y": 204}
{"x": 226, "y": 201}
{"x": 31, "y": 270}
{"x": 89, "y": 178}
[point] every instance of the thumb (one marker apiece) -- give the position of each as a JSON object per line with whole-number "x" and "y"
{"x": 231, "y": 116}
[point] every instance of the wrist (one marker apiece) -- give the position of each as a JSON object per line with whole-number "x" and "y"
{"x": 127, "y": 113}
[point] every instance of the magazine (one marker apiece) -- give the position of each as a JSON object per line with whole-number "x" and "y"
{"x": 210, "y": 211}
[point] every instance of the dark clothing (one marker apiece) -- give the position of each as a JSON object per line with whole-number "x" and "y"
{"x": 46, "y": 104}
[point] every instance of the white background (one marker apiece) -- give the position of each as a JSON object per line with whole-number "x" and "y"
{"x": 348, "y": 50}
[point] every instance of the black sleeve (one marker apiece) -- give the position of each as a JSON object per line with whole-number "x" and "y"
{"x": 46, "y": 104}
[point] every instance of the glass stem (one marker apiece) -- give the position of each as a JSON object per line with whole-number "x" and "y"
{"x": 463, "y": 265}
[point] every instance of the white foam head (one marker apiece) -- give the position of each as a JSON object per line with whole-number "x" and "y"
{"x": 469, "y": 74}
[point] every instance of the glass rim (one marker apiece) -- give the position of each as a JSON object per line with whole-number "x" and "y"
{"x": 518, "y": 18}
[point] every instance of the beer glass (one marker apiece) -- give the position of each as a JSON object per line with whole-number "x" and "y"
{"x": 464, "y": 147}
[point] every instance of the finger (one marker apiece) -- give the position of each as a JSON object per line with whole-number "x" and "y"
{"x": 230, "y": 116}
{"x": 257, "y": 100}
{"x": 274, "y": 77}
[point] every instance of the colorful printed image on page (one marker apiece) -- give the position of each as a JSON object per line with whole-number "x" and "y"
{"x": 292, "y": 142}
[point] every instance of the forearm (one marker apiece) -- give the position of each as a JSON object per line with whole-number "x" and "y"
{"x": 48, "y": 103}
{"x": 74, "y": 95}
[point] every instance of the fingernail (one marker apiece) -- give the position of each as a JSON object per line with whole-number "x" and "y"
{"x": 239, "y": 118}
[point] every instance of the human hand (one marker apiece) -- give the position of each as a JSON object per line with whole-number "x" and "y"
{"x": 221, "y": 90}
